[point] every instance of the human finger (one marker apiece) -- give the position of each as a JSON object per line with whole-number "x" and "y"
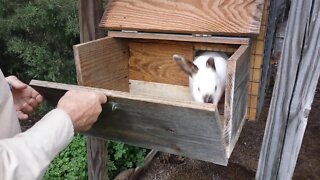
{"x": 102, "y": 98}
{"x": 39, "y": 98}
{"x": 26, "y": 108}
{"x": 16, "y": 83}
{"x": 33, "y": 102}
{"x": 22, "y": 116}
{"x": 34, "y": 93}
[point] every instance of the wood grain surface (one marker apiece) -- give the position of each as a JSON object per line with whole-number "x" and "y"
{"x": 185, "y": 128}
{"x": 90, "y": 12}
{"x": 103, "y": 63}
{"x": 160, "y": 90}
{"x": 294, "y": 90}
{"x": 227, "y": 17}
{"x": 152, "y": 61}
{"x": 236, "y": 95}
{"x": 277, "y": 10}
{"x": 179, "y": 37}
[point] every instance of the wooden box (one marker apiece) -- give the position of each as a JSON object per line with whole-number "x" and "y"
{"x": 149, "y": 103}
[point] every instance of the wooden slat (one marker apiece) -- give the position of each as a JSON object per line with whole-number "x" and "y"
{"x": 152, "y": 61}
{"x": 296, "y": 81}
{"x": 103, "y": 63}
{"x": 277, "y": 11}
{"x": 216, "y": 47}
{"x": 179, "y": 37}
{"x": 256, "y": 68}
{"x": 236, "y": 95}
{"x": 159, "y": 90}
{"x": 184, "y": 128}
{"x": 166, "y": 91}
{"x": 90, "y": 13}
{"x": 227, "y": 17}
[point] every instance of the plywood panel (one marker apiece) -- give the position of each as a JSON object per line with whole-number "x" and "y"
{"x": 103, "y": 63}
{"x": 228, "y": 17}
{"x": 185, "y": 128}
{"x": 152, "y": 61}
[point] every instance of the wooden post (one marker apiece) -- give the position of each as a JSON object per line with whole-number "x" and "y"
{"x": 277, "y": 10}
{"x": 294, "y": 91}
{"x": 90, "y": 13}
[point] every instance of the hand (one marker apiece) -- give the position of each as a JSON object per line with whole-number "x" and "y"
{"x": 25, "y": 98}
{"x": 82, "y": 107}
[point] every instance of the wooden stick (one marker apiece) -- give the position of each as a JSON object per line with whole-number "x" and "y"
{"x": 296, "y": 81}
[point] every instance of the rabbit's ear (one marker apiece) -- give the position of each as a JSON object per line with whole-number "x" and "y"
{"x": 187, "y": 66}
{"x": 210, "y": 63}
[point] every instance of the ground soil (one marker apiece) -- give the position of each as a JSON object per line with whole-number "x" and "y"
{"x": 244, "y": 159}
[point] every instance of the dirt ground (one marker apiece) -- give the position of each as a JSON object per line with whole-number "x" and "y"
{"x": 244, "y": 159}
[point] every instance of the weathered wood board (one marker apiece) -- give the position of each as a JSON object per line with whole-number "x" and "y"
{"x": 236, "y": 95}
{"x": 90, "y": 13}
{"x": 227, "y": 17}
{"x": 179, "y": 37}
{"x": 278, "y": 8}
{"x": 185, "y": 128}
{"x": 103, "y": 63}
{"x": 295, "y": 85}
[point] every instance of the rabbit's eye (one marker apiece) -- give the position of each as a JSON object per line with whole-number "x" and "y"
{"x": 199, "y": 89}
{"x": 215, "y": 87}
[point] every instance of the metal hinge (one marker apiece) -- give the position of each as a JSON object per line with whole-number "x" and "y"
{"x": 129, "y": 31}
{"x": 202, "y": 35}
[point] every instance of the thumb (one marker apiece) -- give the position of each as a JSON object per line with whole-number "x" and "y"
{"x": 16, "y": 83}
{"x": 102, "y": 98}
{"x": 22, "y": 116}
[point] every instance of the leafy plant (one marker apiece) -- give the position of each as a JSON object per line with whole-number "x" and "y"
{"x": 72, "y": 162}
{"x": 123, "y": 156}
{"x": 36, "y": 39}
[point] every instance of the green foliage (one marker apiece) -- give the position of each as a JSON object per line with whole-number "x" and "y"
{"x": 36, "y": 39}
{"x": 123, "y": 156}
{"x": 72, "y": 162}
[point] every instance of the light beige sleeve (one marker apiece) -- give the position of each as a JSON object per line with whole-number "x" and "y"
{"x": 28, "y": 154}
{"x": 9, "y": 123}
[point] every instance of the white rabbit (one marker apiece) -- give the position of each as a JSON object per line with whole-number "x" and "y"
{"x": 207, "y": 75}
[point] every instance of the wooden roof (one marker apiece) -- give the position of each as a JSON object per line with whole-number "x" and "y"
{"x": 223, "y": 17}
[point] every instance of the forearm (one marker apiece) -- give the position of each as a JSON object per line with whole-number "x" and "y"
{"x": 28, "y": 154}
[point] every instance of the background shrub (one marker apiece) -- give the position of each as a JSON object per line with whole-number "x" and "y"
{"x": 36, "y": 39}
{"x": 72, "y": 162}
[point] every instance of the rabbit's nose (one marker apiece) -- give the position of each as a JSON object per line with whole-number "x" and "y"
{"x": 208, "y": 98}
